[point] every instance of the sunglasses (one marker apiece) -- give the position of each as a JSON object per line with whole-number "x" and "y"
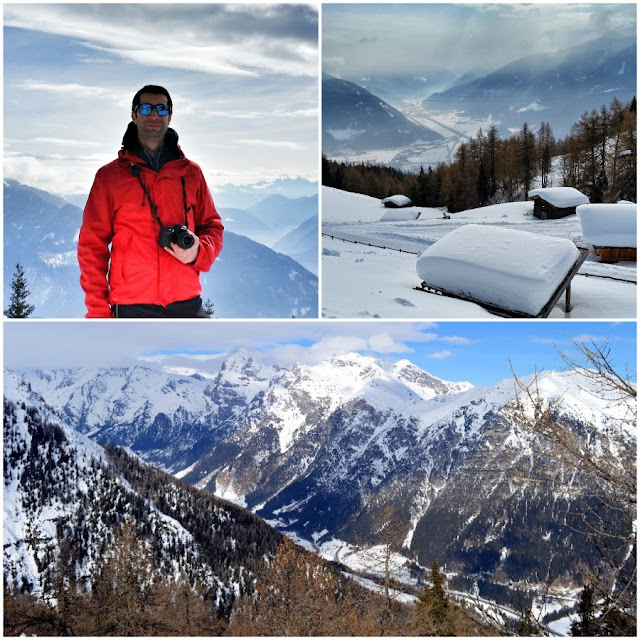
{"x": 145, "y": 109}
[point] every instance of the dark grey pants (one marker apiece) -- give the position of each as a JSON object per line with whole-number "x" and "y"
{"x": 184, "y": 309}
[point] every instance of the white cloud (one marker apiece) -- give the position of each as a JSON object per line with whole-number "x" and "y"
{"x": 197, "y": 345}
{"x": 385, "y": 343}
{"x": 456, "y": 340}
{"x": 205, "y": 38}
{"x": 73, "y": 90}
{"x": 440, "y": 355}
{"x": 66, "y": 142}
{"x": 387, "y": 39}
{"x": 281, "y": 144}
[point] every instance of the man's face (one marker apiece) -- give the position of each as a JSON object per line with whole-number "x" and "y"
{"x": 152, "y": 126}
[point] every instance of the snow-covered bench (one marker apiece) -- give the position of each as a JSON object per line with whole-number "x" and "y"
{"x": 611, "y": 229}
{"x": 395, "y": 215}
{"x": 510, "y": 273}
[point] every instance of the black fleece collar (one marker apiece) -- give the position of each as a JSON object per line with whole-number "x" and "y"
{"x": 170, "y": 149}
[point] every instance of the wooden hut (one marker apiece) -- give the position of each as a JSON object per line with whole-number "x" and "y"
{"x": 397, "y": 202}
{"x": 556, "y": 202}
{"x": 611, "y": 229}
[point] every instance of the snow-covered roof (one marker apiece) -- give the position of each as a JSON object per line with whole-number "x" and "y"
{"x": 398, "y": 200}
{"x": 609, "y": 225}
{"x": 511, "y": 269}
{"x": 560, "y": 197}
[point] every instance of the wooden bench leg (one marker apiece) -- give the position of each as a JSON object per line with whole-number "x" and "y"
{"x": 567, "y": 299}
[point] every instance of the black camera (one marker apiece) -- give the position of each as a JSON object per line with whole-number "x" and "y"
{"x": 178, "y": 234}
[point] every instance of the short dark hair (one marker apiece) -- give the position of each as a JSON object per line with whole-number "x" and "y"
{"x": 151, "y": 88}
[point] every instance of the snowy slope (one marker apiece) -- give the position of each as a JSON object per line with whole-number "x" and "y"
{"x": 353, "y": 119}
{"x": 60, "y": 487}
{"x": 366, "y": 275}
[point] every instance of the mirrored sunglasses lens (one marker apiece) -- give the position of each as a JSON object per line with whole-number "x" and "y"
{"x": 145, "y": 109}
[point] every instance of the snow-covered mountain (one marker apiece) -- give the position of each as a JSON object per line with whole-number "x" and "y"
{"x": 301, "y": 244}
{"x": 271, "y": 219}
{"x": 323, "y": 450}
{"x": 354, "y": 119}
{"x": 242, "y": 222}
{"x": 249, "y": 280}
{"x": 66, "y": 500}
{"x": 246, "y": 196}
{"x": 284, "y": 213}
{"x": 557, "y": 88}
{"x": 41, "y": 233}
{"x": 393, "y": 88}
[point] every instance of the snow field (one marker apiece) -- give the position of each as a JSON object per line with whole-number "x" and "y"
{"x": 361, "y": 281}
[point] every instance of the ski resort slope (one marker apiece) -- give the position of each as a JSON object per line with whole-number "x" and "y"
{"x": 369, "y": 266}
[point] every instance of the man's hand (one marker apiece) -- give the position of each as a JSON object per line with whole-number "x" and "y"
{"x": 186, "y": 256}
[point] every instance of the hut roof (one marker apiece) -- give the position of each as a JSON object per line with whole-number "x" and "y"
{"x": 609, "y": 225}
{"x": 397, "y": 201}
{"x": 560, "y": 197}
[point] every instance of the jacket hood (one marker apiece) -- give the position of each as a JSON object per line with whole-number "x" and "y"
{"x": 131, "y": 143}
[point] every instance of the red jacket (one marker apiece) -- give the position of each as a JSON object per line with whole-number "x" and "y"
{"x": 136, "y": 269}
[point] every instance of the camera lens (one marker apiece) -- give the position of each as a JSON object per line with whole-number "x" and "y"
{"x": 183, "y": 238}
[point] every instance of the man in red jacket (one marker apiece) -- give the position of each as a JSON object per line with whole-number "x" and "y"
{"x": 149, "y": 226}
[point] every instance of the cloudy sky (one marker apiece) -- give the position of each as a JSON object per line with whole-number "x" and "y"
{"x": 243, "y": 79}
{"x": 478, "y": 352}
{"x": 404, "y": 39}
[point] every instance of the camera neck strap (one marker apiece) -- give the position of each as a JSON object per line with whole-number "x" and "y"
{"x": 136, "y": 171}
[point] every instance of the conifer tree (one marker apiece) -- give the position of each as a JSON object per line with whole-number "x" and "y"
{"x": 208, "y": 307}
{"x": 433, "y": 614}
{"x": 527, "y": 625}
{"x": 545, "y": 144}
{"x": 19, "y": 307}
{"x": 586, "y": 623}
{"x": 526, "y": 157}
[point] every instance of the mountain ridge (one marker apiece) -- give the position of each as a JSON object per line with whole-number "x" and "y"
{"x": 555, "y": 87}
{"x": 322, "y": 450}
{"x": 355, "y": 119}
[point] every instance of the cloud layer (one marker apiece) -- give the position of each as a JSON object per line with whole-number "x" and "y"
{"x": 481, "y": 352}
{"x": 406, "y": 39}
{"x": 243, "y": 79}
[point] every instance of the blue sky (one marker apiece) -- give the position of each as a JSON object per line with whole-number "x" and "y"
{"x": 478, "y": 352}
{"x": 404, "y": 39}
{"x": 243, "y": 79}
